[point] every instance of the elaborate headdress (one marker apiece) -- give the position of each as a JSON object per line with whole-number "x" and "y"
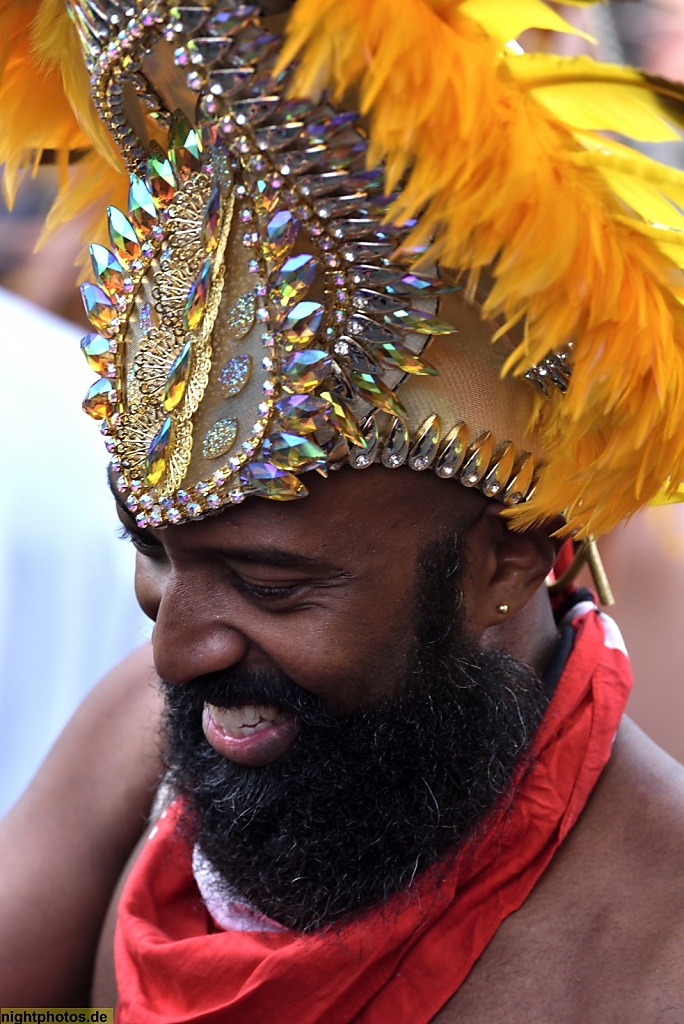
{"x": 471, "y": 277}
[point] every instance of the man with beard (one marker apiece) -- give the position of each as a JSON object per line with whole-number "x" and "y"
{"x": 393, "y": 779}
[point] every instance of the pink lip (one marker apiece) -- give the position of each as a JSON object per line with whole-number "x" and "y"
{"x": 255, "y": 749}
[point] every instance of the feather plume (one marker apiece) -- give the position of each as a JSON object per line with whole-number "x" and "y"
{"x": 504, "y": 164}
{"x": 45, "y": 104}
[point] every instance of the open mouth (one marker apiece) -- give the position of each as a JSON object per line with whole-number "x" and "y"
{"x": 252, "y": 734}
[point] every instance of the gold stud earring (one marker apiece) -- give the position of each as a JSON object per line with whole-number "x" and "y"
{"x": 502, "y": 609}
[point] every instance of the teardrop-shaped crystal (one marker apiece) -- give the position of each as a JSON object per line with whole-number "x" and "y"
{"x": 276, "y": 137}
{"x": 400, "y": 357}
{"x": 294, "y": 279}
{"x": 207, "y": 51}
{"x": 418, "y": 321}
{"x": 419, "y": 285}
{"x": 185, "y": 146}
{"x": 290, "y": 451}
{"x": 377, "y": 393}
{"x": 232, "y": 21}
{"x": 109, "y": 272}
{"x": 227, "y": 83}
{"x": 142, "y": 208}
{"x": 220, "y": 438}
{"x": 269, "y": 481}
{"x": 302, "y": 414}
{"x": 160, "y": 177}
{"x": 211, "y": 223}
{"x": 342, "y": 418}
{"x": 100, "y": 309}
{"x": 329, "y": 127}
{"x": 305, "y": 370}
{"x": 253, "y": 111}
{"x": 197, "y": 298}
{"x": 98, "y": 354}
{"x": 301, "y": 324}
{"x": 235, "y": 375}
{"x": 321, "y": 184}
{"x": 177, "y": 380}
{"x": 98, "y": 400}
{"x": 281, "y": 233}
{"x": 156, "y": 461}
{"x": 124, "y": 236}
{"x": 265, "y": 197}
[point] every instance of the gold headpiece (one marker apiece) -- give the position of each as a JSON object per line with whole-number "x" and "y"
{"x": 271, "y": 303}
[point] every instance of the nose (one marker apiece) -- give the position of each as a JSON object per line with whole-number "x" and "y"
{"x": 193, "y": 632}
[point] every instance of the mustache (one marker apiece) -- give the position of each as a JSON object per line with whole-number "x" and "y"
{"x": 257, "y": 686}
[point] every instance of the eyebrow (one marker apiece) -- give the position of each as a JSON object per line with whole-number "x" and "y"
{"x": 258, "y": 553}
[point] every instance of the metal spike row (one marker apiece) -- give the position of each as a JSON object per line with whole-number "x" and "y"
{"x": 496, "y": 477}
{"x": 518, "y": 487}
{"x": 477, "y": 459}
{"x": 396, "y": 448}
{"x": 362, "y": 458}
{"x": 453, "y": 451}
{"x": 423, "y": 453}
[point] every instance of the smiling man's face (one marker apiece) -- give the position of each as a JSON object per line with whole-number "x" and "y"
{"x": 334, "y": 724}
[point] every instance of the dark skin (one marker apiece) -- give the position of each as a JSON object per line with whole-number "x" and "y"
{"x": 332, "y": 609}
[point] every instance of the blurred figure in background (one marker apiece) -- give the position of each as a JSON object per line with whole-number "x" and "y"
{"x": 67, "y": 608}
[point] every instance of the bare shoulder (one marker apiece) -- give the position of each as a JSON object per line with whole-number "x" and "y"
{"x": 601, "y": 936}
{"x": 64, "y": 843}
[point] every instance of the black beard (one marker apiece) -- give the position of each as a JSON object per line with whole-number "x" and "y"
{"x": 366, "y": 801}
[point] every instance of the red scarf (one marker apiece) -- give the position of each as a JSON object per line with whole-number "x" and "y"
{"x": 173, "y": 965}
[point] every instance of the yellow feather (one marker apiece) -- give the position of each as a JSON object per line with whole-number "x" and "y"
{"x": 586, "y": 95}
{"x": 493, "y": 172}
{"x": 507, "y": 19}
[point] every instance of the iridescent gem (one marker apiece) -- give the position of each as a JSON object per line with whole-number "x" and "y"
{"x": 185, "y": 146}
{"x": 234, "y": 375}
{"x": 123, "y": 236}
{"x": 155, "y": 463}
{"x": 197, "y": 298}
{"x": 302, "y": 413}
{"x": 177, "y": 380}
{"x": 305, "y": 370}
{"x": 220, "y": 438}
{"x": 194, "y": 509}
{"x": 146, "y": 501}
{"x": 377, "y": 393}
{"x": 294, "y": 279}
{"x": 236, "y": 496}
{"x": 397, "y": 355}
{"x": 155, "y": 517}
{"x": 241, "y": 316}
{"x": 97, "y": 352}
{"x": 417, "y": 320}
{"x": 202, "y": 488}
{"x": 131, "y": 503}
{"x": 265, "y": 197}
{"x": 289, "y": 451}
{"x": 213, "y": 501}
{"x": 109, "y": 272}
{"x": 98, "y": 400}
{"x": 281, "y": 233}
{"x": 160, "y": 176}
{"x": 270, "y": 481}
{"x": 301, "y": 324}
{"x": 100, "y": 309}
{"x": 142, "y": 208}
{"x": 173, "y": 515}
{"x": 211, "y": 224}
{"x": 141, "y": 521}
{"x": 342, "y": 419}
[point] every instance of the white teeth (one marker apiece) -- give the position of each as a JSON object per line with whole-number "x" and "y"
{"x": 249, "y": 718}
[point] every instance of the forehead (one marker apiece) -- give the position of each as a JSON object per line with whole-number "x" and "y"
{"x": 356, "y": 510}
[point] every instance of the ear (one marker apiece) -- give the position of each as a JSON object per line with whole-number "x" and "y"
{"x": 503, "y": 569}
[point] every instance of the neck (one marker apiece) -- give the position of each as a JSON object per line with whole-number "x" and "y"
{"x": 531, "y": 635}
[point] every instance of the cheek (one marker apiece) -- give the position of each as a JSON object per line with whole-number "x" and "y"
{"x": 148, "y": 586}
{"x": 348, "y": 664}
